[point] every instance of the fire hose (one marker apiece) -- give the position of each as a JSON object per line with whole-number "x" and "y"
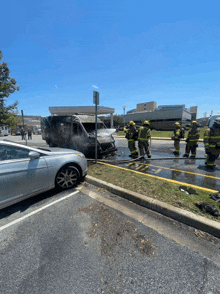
{"x": 147, "y": 159}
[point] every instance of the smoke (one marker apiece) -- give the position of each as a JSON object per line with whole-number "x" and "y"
{"x": 105, "y": 132}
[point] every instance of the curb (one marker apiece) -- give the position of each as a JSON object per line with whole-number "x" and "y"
{"x": 183, "y": 216}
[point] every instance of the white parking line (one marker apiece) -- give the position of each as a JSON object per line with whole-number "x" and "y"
{"x": 36, "y": 211}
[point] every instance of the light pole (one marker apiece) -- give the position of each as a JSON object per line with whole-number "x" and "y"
{"x": 96, "y": 102}
{"x": 22, "y": 114}
{"x": 124, "y": 114}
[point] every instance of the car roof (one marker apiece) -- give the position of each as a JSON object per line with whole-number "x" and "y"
{"x": 42, "y": 150}
{"x": 11, "y": 143}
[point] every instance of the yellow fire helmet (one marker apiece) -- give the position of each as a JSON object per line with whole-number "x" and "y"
{"x": 146, "y": 122}
{"x": 131, "y": 123}
{"x": 194, "y": 122}
{"x": 217, "y": 122}
{"x": 177, "y": 124}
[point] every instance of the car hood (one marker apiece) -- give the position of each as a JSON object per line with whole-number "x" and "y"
{"x": 65, "y": 152}
{"x": 61, "y": 151}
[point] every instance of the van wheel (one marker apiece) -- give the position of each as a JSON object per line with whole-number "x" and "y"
{"x": 50, "y": 143}
{"x": 67, "y": 177}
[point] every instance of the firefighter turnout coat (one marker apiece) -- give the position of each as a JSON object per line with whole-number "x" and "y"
{"x": 212, "y": 144}
{"x": 144, "y": 137}
{"x": 131, "y": 136}
{"x": 176, "y": 137}
{"x": 192, "y": 141}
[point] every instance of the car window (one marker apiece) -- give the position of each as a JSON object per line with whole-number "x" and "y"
{"x": 12, "y": 152}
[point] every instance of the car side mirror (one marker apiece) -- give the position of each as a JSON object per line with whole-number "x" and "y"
{"x": 33, "y": 155}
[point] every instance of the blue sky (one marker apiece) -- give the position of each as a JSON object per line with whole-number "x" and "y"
{"x": 133, "y": 51}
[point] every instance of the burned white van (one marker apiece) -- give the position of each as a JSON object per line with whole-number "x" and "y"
{"x": 78, "y": 132}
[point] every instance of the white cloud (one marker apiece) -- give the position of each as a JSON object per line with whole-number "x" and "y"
{"x": 94, "y": 86}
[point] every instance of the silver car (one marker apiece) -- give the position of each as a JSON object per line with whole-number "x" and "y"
{"x": 27, "y": 171}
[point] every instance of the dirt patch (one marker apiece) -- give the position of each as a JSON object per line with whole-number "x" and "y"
{"x": 113, "y": 231}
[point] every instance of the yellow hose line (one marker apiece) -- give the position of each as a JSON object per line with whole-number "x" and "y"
{"x": 160, "y": 178}
{"x": 182, "y": 171}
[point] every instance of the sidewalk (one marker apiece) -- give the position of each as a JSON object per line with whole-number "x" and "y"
{"x": 168, "y": 210}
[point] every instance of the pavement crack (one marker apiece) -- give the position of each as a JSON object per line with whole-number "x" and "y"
{"x": 205, "y": 276}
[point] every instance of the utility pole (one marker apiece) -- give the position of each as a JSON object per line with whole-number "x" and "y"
{"x": 22, "y": 114}
{"x": 96, "y": 102}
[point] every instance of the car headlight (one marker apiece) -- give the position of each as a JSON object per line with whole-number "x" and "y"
{"x": 80, "y": 155}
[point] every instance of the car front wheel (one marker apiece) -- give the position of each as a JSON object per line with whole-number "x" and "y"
{"x": 67, "y": 177}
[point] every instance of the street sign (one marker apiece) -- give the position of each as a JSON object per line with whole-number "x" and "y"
{"x": 95, "y": 97}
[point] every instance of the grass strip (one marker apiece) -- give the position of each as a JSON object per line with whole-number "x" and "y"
{"x": 167, "y": 134}
{"x": 154, "y": 188}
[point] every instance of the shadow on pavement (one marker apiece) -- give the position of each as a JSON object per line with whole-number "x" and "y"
{"x": 25, "y": 204}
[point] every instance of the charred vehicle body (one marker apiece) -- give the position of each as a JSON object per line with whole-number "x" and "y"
{"x": 78, "y": 132}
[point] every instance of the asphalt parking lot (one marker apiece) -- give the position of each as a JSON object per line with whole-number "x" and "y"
{"x": 188, "y": 171}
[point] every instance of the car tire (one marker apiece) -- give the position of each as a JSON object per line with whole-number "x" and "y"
{"x": 67, "y": 177}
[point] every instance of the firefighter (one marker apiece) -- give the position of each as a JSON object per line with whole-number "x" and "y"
{"x": 131, "y": 136}
{"x": 192, "y": 140}
{"x": 176, "y": 137}
{"x": 212, "y": 143}
{"x": 144, "y": 136}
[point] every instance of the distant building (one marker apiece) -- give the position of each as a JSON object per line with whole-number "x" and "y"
{"x": 132, "y": 110}
{"x": 171, "y": 107}
{"x": 193, "y": 111}
{"x": 30, "y": 120}
{"x": 203, "y": 121}
{"x": 162, "y": 117}
{"x": 147, "y": 106}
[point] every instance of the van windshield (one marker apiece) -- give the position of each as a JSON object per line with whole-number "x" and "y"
{"x": 212, "y": 119}
{"x": 90, "y": 127}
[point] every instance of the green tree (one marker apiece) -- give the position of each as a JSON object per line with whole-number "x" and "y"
{"x": 8, "y": 115}
{"x": 118, "y": 120}
{"x": 7, "y": 87}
